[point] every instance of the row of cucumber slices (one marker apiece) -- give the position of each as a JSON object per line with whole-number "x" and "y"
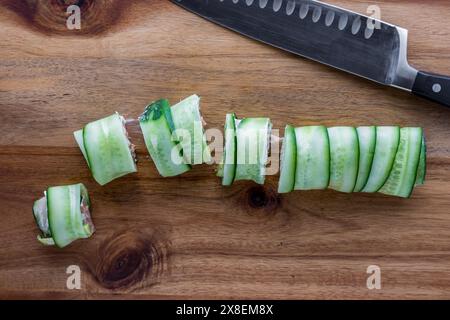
{"x": 390, "y": 160}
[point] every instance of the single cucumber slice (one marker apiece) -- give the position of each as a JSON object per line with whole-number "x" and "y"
{"x": 404, "y": 172}
{"x": 229, "y": 151}
{"x": 422, "y": 169}
{"x": 288, "y": 161}
{"x": 189, "y": 132}
{"x": 344, "y": 158}
{"x": 252, "y": 138}
{"x": 367, "y": 137}
{"x": 157, "y": 127}
{"x": 386, "y": 147}
{"x": 108, "y": 150}
{"x": 313, "y": 158}
{"x": 65, "y": 217}
{"x": 79, "y": 139}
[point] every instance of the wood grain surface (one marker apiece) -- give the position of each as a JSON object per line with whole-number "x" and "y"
{"x": 188, "y": 237}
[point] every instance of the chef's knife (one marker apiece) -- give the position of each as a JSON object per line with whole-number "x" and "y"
{"x": 328, "y": 34}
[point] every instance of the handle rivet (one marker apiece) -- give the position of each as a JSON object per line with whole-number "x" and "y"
{"x": 437, "y": 88}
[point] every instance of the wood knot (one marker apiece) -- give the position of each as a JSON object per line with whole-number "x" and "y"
{"x": 51, "y": 16}
{"x": 262, "y": 199}
{"x": 131, "y": 259}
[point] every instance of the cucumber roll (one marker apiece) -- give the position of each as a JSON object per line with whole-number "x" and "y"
{"x": 63, "y": 215}
{"x": 157, "y": 127}
{"x": 313, "y": 158}
{"x": 107, "y": 149}
{"x": 252, "y": 148}
{"x": 189, "y": 132}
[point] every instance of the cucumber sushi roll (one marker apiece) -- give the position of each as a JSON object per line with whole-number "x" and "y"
{"x": 107, "y": 149}
{"x": 63, "y": 215}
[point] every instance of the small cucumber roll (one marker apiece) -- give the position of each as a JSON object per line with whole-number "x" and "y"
{"x": 402, "y": 177}
{"x": 63, "y": 215}
{"x": 107, "y": 149}
{"x": 229, "y": 152}
{"x": 387, "y": 142}
{"x": 157, "y": 127}
{"x": 367, "y": 137}
{"x": 422, "y": 169}
{"x": 188, "y": 124}
{"x": 288, "y": 161}
{"x": 252, "y": 146}
{"x": 344, "y": 158}
{"x": 313, "y": 158}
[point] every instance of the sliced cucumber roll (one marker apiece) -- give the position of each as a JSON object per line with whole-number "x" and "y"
{"x": 188, "y": 123}
{"x": 157, "y": 127}
{"x": 403, "y": 175}
{"x": 252, "y": 139}
{"x": 63, "y": 216}
{"x": 107, "y": 149}
{"x": 288, "y": 161}
{"x": 367, "y": 137}
{"x": 313, "y": 158}
{"x": 387, "y": 142}
{"x": 422, "y": 169}
{"x": 344, "y": 158}
{"x": 229, "y": 151}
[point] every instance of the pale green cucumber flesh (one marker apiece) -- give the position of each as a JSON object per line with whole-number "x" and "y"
{"x": 387, "y": 142}
{"x": 313, "y": 158}
{"x": 79, "y": 139}
{"x": 108, "y": 149}
{"x": 344, "y": 158}
{"x": 64, "y": 214}
{"x": 59, "y": 216}
{"x": 367, "y": 137}
{"x": 229, "y": 151}
{"x": 288, "y": 161}
{"x": 422, "y": 169}
{"x": 404, "y": 171}
{"x": 252, "y": 139}
{"x": 189, "y": 130}
{"x": 157, "y": 127}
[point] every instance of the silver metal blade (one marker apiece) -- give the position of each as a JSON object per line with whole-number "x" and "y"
{"x": 333, "y": 36}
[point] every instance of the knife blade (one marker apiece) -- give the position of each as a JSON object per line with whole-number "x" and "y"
{"x": 334, "y": 36}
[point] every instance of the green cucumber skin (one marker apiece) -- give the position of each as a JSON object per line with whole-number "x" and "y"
{"x": 229, "y": 152}
{"x": 313, "y": 158}
{"x": 189, "y": 130}
{"x": 156, "y": 125}
{"x": 367, "y": 137}
{"x": 344, "y": 158}
{"x": 288, "y": 161}
{"x": 387, "y": 142}
{"x": 252, "y": 134}
{"x": 422, "y": 169}
{"x": 107, "y": 149}
{"x": 403, "y": 175}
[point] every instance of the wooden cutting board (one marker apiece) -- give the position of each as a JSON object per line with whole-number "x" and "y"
{"x": 188, "y": 237}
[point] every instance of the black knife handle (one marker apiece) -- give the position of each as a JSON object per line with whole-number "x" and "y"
{"x": 433, "y": 87}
